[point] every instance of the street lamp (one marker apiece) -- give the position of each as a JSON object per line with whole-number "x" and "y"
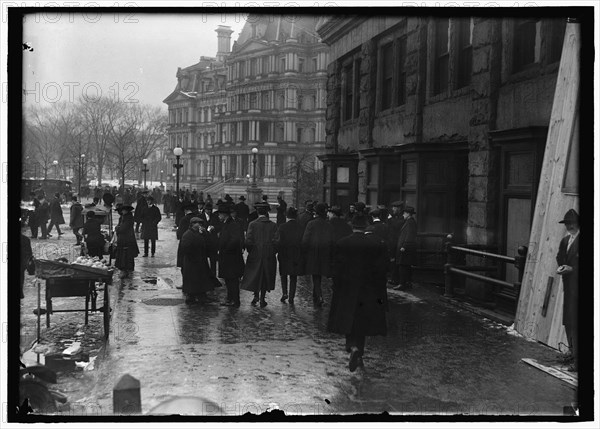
{"x": 81, "y": 159}
{"x": 254, "y": 152}
{"x": 55, "y": 162}
{"x": 177, "y": 152}
{"x": 145, "y": 170}
{"x": 161, "y": 177}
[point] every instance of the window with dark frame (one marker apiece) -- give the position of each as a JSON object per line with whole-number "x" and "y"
{"x": 387, "y": 75}
{"x": 301, "y": 65}
{"x": 401, "y": 90}
{"x": 242, "y": 65}
{"x": 265, "y": 65}
{"x": 440, "y": 78}
{"x": 524, "y": 44}
{"x": 348, "y": 91}
{"x": 465, "y": 51}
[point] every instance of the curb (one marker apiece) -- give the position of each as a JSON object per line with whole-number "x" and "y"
{"x": 492, "y": 315}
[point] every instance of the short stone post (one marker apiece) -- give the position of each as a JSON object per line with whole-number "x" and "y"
{"x": 520, "y": 259}
{"x": 126, "y": 396}
{"x": 448, "y": 287}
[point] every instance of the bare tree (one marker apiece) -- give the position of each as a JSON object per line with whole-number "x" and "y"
{"x": 122, "y": 133}
{"x": 306, "y": 177}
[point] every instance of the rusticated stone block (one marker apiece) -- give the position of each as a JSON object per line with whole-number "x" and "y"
{"x": 479, "y": 163}
{"x": 481, "y": 59}
{"x": 478, "y": 189}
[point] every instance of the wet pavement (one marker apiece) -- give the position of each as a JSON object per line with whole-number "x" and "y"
{"x": 436, "y": 359}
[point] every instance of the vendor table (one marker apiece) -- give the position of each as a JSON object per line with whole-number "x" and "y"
{"x": 65, "y": 280}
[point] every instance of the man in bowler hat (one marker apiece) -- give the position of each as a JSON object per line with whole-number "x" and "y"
{"x": 568, "y": 269}
{"x": 406, "y": 249}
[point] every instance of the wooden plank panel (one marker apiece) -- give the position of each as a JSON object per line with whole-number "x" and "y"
{"x": 551, "y": 204}
{"x": 567, "y": 377}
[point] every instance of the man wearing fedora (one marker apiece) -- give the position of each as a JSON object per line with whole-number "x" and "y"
{"x": 231, "y": 259}
{"x": 395, "y": 222}
{"x": 150, "y": 219}
{"x": 317, "y": 246}
{"x": 359, "y": 300}
{"x": 243, "y": 211}
{"x": 406, "y": 249}
{"x": 261, "y": 264}
{"x": 568, "y": 268}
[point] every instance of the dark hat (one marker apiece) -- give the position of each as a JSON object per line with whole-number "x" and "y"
{"x": 265, "y": 197}
{"x": 571, "y": 217}
{"x": 262, "y": 206}
{"x": 397, "y": 203}
{"x": 108, "y": 198}
{"x": 376, "y": 212}
{"x": 187, "y": 206}
{"x": 360, "y": 206}
{"x": 242, "y": 198}
{"x": 130, "y": 208}
{"x": 208, "y": 205}
{"x": 336, "y": 210}
{"x": 90, "y": 214}
{"x": 228, "y": 197}
{"x": 321, "y": 209}
{"x": 196, "y": 219}
{"x": 150, "y": 198}
{"x": 409, "y": 210}
{"x": 291, "y": 213}
{"x": 359, "y": 222}
{"x": 224, "y": 208}
{"x": 308, "y": 202}
{"x": 145, "y": 191}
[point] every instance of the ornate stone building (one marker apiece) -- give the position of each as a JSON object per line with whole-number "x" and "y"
{"x": 448, "y": 114}
{"x": 268, "y": 93}
{"x": 199, "y": 96}
{"x": 276, "y": 77}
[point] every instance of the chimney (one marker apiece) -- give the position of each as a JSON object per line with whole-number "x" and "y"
{"x": 224, "y": 42}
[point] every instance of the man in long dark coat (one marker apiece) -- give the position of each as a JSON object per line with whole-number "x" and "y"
{"x": 289, "y": 245}
{"x": 56, "y": 215}
{"x": 395, "y": 223}
{"x": 94, "y": 240}
{"x": 231, "y": 259}
{"x": 197, "y": 277}
{"x": 339, "y": 226}
{"x": 243, "y": 211}
{"x": 31, "y": 219}
{"x": 42, "y": 214}
{"x": 359, "y": 301}
{"x": 378, "y": 227}
{"x": 568, "y": 267}
{"x": 166, "y": 200}
{"x": 281, "y": 209}
{"x": 307, "y": 215}
{"x": 213, "y": 227}
{"x": 317, "y": 245}
{"x": 76, "y": 219}
{"x": 406, "y": 249}
{"x": 184, "y": 226}
{"x": 140, "y": 207}
{"x": 261, "y": 264}
{"x": 150, "y": 220}
{"x": 127, "y": 248}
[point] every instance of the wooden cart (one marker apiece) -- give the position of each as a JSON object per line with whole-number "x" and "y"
{"x": 66, "y": 280}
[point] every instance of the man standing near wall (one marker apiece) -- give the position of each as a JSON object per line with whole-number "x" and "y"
{"x": 568, "y": 269}
{"x": 406, "y": 249}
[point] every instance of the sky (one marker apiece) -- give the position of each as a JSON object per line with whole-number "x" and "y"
{"x": 133, "y": 56}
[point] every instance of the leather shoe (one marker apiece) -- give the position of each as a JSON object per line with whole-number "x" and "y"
{"x": 254, "y": 301}
{"x": 145, "y": 255}
{"x": 228, "y": 304}
{"x": 283, "y": 298}
{"x": 263, "y": 303}
{"x": 354, "y": 356}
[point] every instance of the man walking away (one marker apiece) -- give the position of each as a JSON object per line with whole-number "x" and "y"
{"x": 289, "y": 242}
{"x": 260, "y": 270}
{"x": 359, "y": 301}
{"x": 76, "y": 219}
{"x": 395, "y": 223}
{"x": 56, "y": 215}
{"x": 42, "y": 215}
{"x": 317, "y": 245}
{"x": 231, "y": 260}
{"x": 150, "y": 219}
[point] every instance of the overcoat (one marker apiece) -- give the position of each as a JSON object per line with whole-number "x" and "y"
{"x": 359, "y": 300}
{"x": 317, "y": 246}
{"x": 75, "y": 216}
{"x": 281, "y": 208}
{"x": 184, "y": 226}
{"x": 570, "y": 280}
{"x": 395, "y": 224}
{"x": 92, "y": 229}
{"x": 340, "y": 227}
{"x": 150, "y": 220}
{"x": 289, "y": 242}
{"x": 231, "y": 259}
{"x": 56, "y": 214}
{"x": 166, "y": 200}
{"x": 140, "y": 207}
{"x": 261, "y": 263}
{"x": 42, "y": 212}
{"x": 408, "y": 241}
{"x": 243, "y": 211}
{"x": 127, "y": 248}
{"x": 197, "y": 277}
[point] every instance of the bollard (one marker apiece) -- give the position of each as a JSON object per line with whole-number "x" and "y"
{"x": 126, "y": 396}
{"x": 448, "y": 248}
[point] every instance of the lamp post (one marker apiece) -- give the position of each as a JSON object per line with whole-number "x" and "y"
{"x": 55, "y": 162}
{"x": 254, "y": 152}
{"x": 177, "y": 152}
{"x": 81, "y": 159}
{"x": 161, "y": 178}
{"x": 145, "y": 170}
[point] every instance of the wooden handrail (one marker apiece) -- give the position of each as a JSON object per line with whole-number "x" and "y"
{"x": 484, "y": 254}
{"x": 485, "y": 279}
